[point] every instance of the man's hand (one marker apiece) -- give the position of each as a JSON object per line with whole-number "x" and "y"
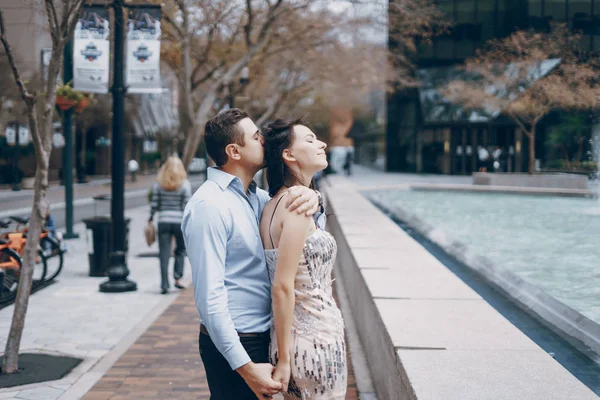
{"x": 259, "y": 378}
{"x": 302, "y": 200}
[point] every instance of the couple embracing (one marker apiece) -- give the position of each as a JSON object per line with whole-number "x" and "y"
{"x": 262, "y": 264}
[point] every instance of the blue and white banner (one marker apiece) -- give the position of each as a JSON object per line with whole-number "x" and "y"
{"x": 143, "y": 51}
{"x": 91, "y": 51}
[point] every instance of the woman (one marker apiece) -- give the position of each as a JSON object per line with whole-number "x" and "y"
{"x": 307, "y": 340}
{"x": 170, "y": 194}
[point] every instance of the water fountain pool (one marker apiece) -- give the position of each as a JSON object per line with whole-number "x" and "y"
{"x": 550, "y": 242}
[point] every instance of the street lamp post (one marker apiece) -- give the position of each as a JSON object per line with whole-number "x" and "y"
{"x": 117, "y": 268}
{"x": 67, "y": 175}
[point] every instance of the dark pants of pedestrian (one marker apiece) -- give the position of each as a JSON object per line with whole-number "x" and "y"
{"x": 223, "y": 382}
{"x": 166, "y": 231}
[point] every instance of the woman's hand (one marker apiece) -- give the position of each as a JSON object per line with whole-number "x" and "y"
{"x": 282, "y": 373}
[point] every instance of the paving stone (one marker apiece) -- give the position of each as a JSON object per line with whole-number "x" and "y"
{"x": 164, "y": 362}
{"x": 8, "y": 395}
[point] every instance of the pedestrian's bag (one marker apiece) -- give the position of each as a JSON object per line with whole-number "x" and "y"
{"x": 150, "y": 233}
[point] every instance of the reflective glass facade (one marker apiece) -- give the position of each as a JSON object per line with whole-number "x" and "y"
{"x": 414, "y": 144}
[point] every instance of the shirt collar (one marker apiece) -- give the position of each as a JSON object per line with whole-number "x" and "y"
{"x": 223, "y": 179}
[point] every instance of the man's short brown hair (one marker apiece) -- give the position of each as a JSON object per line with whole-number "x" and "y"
{"x": 220, "y": 131}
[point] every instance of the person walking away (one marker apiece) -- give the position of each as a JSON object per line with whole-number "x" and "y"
{"x": 170, "y": 195}
{"x": 133, "y": 167}
{"x": 483, "y": 156}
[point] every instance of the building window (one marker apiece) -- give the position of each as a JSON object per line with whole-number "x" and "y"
{"x": 535, "y": 8}
{"x": 580, "y": 17}
{"x": 556, "y": 10}
{"x": 486, "y": 19}
{"x": 596, "y": 25}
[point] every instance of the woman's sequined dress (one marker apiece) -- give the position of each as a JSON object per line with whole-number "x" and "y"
{"x": 318, "y": 349}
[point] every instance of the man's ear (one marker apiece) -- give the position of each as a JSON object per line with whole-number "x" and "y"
{"x": 287, "y": 155}
{"x": 232, "y": 152}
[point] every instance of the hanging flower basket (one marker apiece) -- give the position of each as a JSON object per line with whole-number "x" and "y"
{"x": 67, "y": 98}
{"x": 65, "y": 103}
{"x": 82, "y": 104}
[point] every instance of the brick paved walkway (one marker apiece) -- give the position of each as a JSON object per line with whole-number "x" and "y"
{"x": 164, "y": 362}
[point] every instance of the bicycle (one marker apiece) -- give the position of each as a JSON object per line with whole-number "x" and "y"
{"x": 10, "y": 268}
{"x": 12, "y": 246}
{"x": 51, "y": 250}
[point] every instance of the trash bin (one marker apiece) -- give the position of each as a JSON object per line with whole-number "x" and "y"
{"x": 99, "y": 242}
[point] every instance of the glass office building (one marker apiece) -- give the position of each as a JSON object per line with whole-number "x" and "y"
{"x": 424, "y": 136}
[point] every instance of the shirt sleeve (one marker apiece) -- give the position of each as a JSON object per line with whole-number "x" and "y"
{"x": 186, "y": 193}
{"x": 205, "y": 231}
{"x": 155, "y": 200}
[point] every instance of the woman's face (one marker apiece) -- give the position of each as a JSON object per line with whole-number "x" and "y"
{"x": 308, "y": 151}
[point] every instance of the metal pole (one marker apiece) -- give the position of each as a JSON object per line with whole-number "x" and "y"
{"x": 117, "y": 269}
{"x": 68, "y": 149}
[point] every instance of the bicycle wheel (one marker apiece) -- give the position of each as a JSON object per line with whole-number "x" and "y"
{"x": 52, "y": 256}
{"x": 10, "y": 268}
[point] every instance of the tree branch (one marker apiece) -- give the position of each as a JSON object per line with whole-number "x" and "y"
{"x": 172, "y": 23}
{"x": 207, "y": 76}
{"x": 249, "y": 23}
{"x": 52, "y": 20}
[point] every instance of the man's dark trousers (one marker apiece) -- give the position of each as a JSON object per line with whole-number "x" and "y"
{"x": 223, "y": 382}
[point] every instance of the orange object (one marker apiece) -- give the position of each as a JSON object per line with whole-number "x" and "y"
{"x": 64, "y": 104}
{"x": 82, "y": 105}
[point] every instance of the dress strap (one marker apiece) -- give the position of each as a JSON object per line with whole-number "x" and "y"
{"x": 272, "y": 216}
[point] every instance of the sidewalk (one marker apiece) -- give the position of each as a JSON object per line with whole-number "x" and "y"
{"x": 56, "y": 194}
{"x": 71, "y": 317}
{"x": 164, "y": 363}
{"x": 137, "y": 345}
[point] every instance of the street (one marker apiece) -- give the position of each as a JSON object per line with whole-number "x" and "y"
{"x": 136, "y": 195}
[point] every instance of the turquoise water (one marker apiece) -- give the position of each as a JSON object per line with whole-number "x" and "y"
{"x": 552, "y": 242}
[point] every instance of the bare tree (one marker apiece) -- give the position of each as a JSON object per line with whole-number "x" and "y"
{"x": 61, "y": 16}
{"x": 333, "y": 62}
{"x": 410, "y": 23}
{"x": 528, "y": 75}
{"x": 217, "y": 40}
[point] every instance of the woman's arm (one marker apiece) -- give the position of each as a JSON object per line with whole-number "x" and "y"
{"x": 154, "y": 202}
{"x": 295, "y": 229}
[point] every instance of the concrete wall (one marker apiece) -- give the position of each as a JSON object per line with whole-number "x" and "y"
{"x": 26, "y": 27}
{"x": 426, "y": 334}
{"x": 559, "y": 181}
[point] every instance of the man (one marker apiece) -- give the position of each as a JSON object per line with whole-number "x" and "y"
{"x": 231, "y": 282}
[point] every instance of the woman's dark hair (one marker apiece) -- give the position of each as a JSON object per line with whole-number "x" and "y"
{"x": 279, "y": 135}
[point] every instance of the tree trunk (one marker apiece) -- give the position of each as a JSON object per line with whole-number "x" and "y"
{"x": 194, "y": 137}
{"x": 531, "y": 136}
{"x": 40, "y": 205}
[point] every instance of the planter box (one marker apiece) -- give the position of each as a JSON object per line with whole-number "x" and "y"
{"x": 27, "y": 183}
{"x": 557, "y": 181}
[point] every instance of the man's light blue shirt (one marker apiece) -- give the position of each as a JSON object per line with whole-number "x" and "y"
{"x": 231, "y": 282}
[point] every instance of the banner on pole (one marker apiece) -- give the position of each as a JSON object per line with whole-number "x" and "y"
{"x": 143, "y": 51}
{"x": 91, "y": 51}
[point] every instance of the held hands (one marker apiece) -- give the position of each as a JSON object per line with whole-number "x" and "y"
{"x": 282, "y": 374}
{"x": 302, "y": 200}
{"x": 258, "y": 377}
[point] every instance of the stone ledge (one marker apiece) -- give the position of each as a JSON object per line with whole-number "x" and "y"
{"x": 538, "y": 180}
{"x": 445, "y": 352}
{"x": 577, "y": 329}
